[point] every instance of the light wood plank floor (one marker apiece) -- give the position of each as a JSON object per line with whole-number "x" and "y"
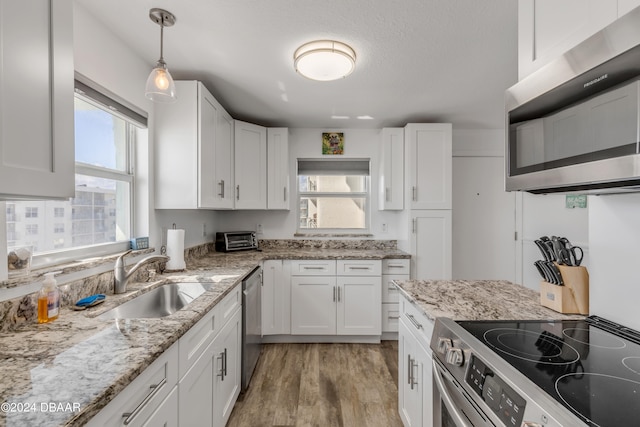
{"x": 323, "y": 385}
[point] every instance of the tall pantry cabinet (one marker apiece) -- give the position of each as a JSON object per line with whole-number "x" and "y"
{"x": 428, "y": 167}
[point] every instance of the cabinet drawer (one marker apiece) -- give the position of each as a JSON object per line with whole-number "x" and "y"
{"x": 140, "y": 399}
{"x": 418, "y": 323}
{"x": 193, "y": 343}
{"x": 358, "y": 267}
{"x": 318, "y": 267}
{"x": 396, "y": 266}
{"x": 390, "y": 317}
{"x": 390, "y": 291}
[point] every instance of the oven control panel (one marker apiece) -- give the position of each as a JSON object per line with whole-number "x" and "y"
{"x": 503, "y": 401}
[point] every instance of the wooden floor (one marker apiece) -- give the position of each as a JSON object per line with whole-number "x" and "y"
{"x": 347, "y": 385}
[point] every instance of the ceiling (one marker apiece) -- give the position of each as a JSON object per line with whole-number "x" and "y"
{"x": 417, "y": 60}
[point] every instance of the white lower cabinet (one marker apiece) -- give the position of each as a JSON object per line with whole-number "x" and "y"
{"x": 276, "y": 297}
{"x": 415, "y": 389}
{"x": 325, "y": 304}
{"x": 392, "y": 269}
{"x": 194, "y": 383}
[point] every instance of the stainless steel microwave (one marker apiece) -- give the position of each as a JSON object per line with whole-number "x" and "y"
{"x": 574, "y": 125}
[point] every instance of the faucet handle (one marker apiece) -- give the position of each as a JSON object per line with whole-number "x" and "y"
{"x": 119, "y": 260}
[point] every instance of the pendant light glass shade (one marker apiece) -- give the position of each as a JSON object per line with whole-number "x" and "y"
{"x": 160, "y": 86}
{"x": 324, "y": 60}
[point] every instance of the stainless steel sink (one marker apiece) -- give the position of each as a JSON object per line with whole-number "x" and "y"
{"x": 159, "y": 302}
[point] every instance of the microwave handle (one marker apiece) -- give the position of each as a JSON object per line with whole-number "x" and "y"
{"x": 459, "y": 419}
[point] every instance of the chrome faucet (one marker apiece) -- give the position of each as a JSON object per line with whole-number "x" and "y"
{"x": 121, "y": 275}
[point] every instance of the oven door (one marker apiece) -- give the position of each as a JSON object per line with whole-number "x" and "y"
{"x": 452, "y": 405}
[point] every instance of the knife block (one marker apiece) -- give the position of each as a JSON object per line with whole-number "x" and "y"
{"x": 573, "y": 296}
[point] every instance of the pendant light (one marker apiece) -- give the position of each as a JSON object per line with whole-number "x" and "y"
{"x": 324, "y": 60}
{"x": 160, "y": 86}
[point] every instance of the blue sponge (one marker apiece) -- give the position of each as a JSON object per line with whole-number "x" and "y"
{"x": 91, "y": 300}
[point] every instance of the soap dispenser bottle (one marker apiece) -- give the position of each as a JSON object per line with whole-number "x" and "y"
{"x": 48, "y": 299}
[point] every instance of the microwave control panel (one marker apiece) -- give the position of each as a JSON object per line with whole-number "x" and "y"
{"x": 503, "y": 401}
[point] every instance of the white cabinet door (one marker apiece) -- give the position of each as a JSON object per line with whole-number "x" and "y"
{"x": 278, "y": 168}
{"x": 276, "y": 298}
{"x": 426, "y": 377}
{"x": 196, "y": 390}
{"x": 429, "y": 162}
{"x": 410, "y": 387}
{"x": 391, "y": 185}
{"x": 189, "y": 162}
{"x": 207, "y": 129}
{"x": 37, "y": 158}
{"x": 313, "y": 305}
{"x": 431, "y": 244}
{"x": 223, "y": 161}
{"x": 359, "y": 305}
{"x": 226, "y": 380}
{"x": 548, "y": 28}
{"x": 250, "y": 166}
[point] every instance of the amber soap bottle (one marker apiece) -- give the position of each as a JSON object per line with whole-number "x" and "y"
{"x": 48, "y": 299}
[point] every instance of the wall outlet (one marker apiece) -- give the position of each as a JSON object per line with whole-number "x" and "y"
{"x": 384, "y": 227}
{"x": 259, "y": 228}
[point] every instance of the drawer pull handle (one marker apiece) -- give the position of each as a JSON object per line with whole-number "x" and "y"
{"x": 394, "y": 317}
{"x": 154, "y": 390}
{"x": 360, "y": 268}
{"x": 414, "y": 321}
{"x": 393, "y": 288}
{"x": 395, "y": 266}
{"x": 313, "y": 268}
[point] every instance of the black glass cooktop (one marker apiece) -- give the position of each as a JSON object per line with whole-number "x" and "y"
{"x": 590, "y": 366}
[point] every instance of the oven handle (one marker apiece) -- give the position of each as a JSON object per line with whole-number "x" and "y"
{"x": 460, "y": 419}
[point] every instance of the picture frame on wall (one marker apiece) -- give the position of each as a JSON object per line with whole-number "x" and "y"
{"x": 332, "y": 143}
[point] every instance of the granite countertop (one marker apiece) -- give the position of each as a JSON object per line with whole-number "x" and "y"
{"x": 477, "y": 300}
{"x": 82, "y": 362}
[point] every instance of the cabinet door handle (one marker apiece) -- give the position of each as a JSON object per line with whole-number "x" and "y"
{"x": 221, "y": 373}
{"x": 409, "y": 369}
{"x": 334, "y": 294}
{"x": 225, "y": 364}
{"x": 413, "y": 377}
{"x": 285, "y": 193}
{"x": 414, "y": 321}
{"x": 414, "y": 225}
{"x": 221, "y": 184}
{"x": 339, "y": 292}
{"x": 386, "y": 194}
{"x": 129, "y": 416}
{"x": 238, "y": 192}
{"x": 413, "y": 193}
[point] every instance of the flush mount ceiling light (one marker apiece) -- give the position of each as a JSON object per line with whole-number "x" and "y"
{"x": 324, "y": 60}
{"x": 160, "y": 86}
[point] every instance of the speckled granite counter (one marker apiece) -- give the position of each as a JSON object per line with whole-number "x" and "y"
{"x": 477, "y": 300}
{"x": 82, "y": 362}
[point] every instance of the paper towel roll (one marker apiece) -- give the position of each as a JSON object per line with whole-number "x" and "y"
{"x": 175, "y": 249}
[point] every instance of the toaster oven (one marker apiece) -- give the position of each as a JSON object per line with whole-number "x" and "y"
{"x": 229, "y": 241}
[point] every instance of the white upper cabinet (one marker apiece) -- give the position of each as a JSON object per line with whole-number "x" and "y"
{"x": 429, "y": 161}
{"x": 250, "y": 166}
{"x": 548, "y": 28}
{"x": 37, "y": 155}
{"x": 193, "y": 141}
{"x": 278, "y": 168}
{"x": 391, "y": 186}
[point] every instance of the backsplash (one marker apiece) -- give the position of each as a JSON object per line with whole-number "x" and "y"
{"x": 328, "y": 244}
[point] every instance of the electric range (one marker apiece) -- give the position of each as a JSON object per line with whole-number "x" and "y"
{"x": 543, "y": 373}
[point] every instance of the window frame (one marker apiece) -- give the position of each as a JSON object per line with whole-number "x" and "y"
{"x": 366, "y": 195}
{"x": 59, "y": 256}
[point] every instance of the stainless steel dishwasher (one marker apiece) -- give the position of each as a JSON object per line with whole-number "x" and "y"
{"x": 251, "y": 324}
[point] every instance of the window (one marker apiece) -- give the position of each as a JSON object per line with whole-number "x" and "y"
{"x": 333, "y": 195}
{"x": 30, "y": 212}
{"x": 102, "y": 210}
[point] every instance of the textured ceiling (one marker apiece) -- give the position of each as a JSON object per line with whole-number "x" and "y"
{"x": 417, "y": 60}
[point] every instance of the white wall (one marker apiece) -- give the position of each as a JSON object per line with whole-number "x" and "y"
{"x": 307, "y": 143}
{"x": 104, "y": 58}
{"x": 614, "y": 240}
